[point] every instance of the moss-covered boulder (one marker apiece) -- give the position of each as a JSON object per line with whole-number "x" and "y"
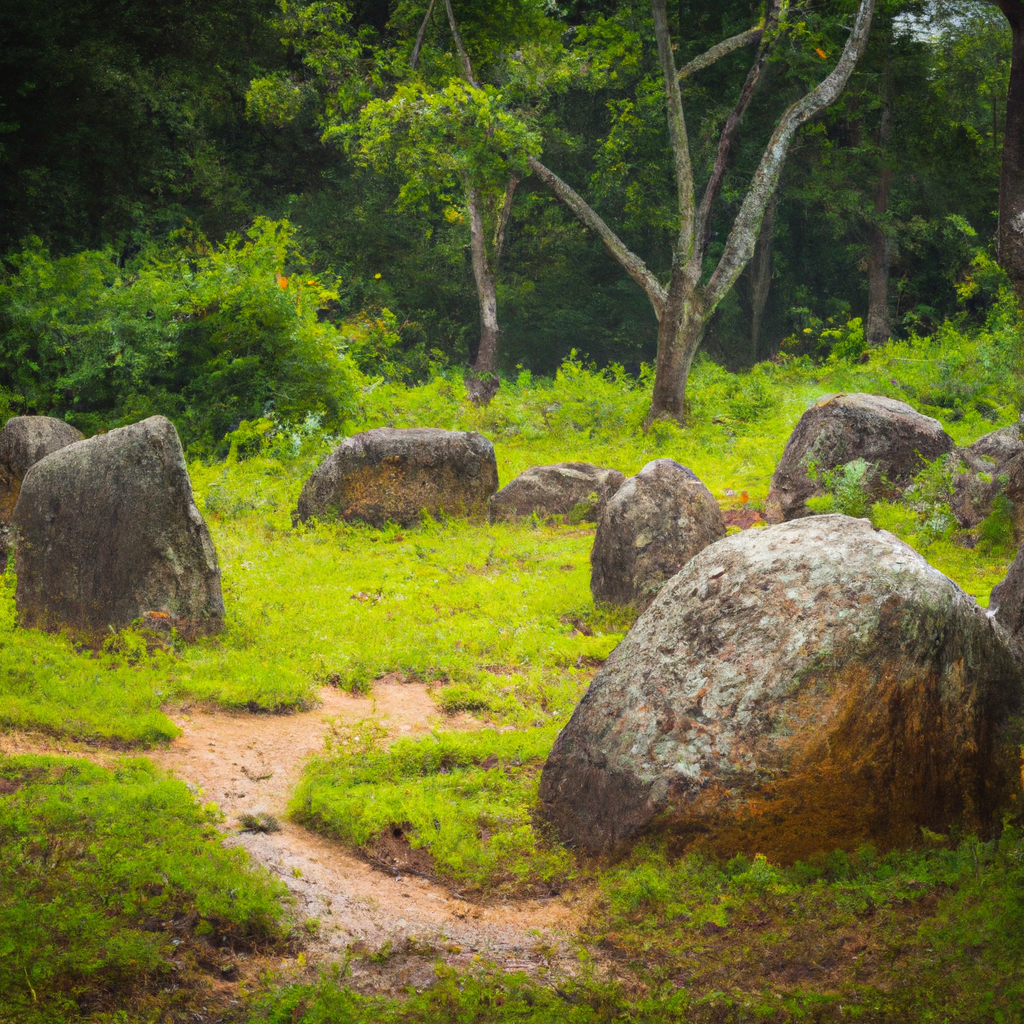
{"x": 799, "y": 688}
{"x": 894, "y": 438}
{"x": 579, "y": 489}
{"x": 108, "y": 533}
{"x": 392, "y": 475}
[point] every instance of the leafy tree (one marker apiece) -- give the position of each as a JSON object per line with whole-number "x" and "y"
{"x": 686, "y": 305}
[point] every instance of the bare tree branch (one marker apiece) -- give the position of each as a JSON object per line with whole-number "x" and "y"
{"x": 630, "y": 262}
{"x": 739, "y": 247}
{"x": 419, "y": 37}
{"x": 676, "y": 131}
{"x": 503, "y": 218}
{"x": 729, "y": 132}
{"x": 463, "y": 56}
{"x": 719, "y": 50}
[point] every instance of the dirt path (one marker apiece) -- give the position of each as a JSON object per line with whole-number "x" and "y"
{"x": 250, "y": 763}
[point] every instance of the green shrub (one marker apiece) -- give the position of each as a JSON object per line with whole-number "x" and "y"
{"x": 209, "y": 335}
{"x": 846, "y": 490}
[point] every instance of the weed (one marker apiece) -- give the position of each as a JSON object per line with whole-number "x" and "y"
{"x": 258, "y": 822}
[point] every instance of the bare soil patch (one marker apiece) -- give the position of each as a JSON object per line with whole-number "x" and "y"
{"x": 249, "y": 763}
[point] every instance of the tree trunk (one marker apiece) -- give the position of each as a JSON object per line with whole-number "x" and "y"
{"x": 1011, "y": 178}
{"x": 879, "y": 326}
{"x": 483, "y": 378}
{"x": 680, "y": 332}
{"x": 761, "y": 276}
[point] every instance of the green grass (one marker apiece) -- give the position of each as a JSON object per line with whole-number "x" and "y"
{"x": 467, "y": 797}
{"x": 500, "y": 618}
{"x": 113, "y": 885}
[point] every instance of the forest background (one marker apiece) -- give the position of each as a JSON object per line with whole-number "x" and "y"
{"x": 203, "y": 205}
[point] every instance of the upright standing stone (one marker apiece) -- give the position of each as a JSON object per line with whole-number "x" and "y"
{"x": 23, "y": 442}
{"x": 108, "y": 532}
{"x": 653, "y": 525}
{"x": 392, "y": 475}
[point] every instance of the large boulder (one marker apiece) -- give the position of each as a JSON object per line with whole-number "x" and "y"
{"x": 656, "y": 522}
{"x": 893, "y": 437}
{"x": 23, "y": 442}
{"x": 566, "y": 488}
{"x": 108, "y": 533}
{"x": 803, "y": 687}
{"x": 391, "y": 475}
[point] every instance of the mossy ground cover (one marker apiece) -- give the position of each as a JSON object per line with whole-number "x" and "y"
{"x": 499, "y": 618}
{"x": 115, "y": 893}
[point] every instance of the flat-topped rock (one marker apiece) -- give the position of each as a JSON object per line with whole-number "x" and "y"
{"x": 392, "y": 475}
{"x": 894, "y": 438}
{"x": 25, "y": 440}
{"x": 579, "y": 489}
{"x": 653, "y": 525}
{"x": 108, "y": 533}
{"x": 804, "y": 687}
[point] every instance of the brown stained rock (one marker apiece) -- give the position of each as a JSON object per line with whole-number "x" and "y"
{"x": 391, "y": 475}
{"x": 108, "y": 533}
{"x": 557, "y": 490}
{"x": 655, "y": 523}
{"x": 807, "y": 686}
{"x": 25, "y": 440}
{"x": 892, "y": 436}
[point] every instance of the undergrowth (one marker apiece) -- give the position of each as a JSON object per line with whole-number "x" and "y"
{"x": 113, "y": 885}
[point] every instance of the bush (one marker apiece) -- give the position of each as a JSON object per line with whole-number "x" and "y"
{"x": 208, "y": 335}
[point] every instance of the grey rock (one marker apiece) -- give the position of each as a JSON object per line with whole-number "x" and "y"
{"x": 890, "y": 435}
{"x": 391, "y": 475}
{"x": 655, "y": 523}
{"x": 1006, "y": 602}
{"x": 976, "y": 480}
{"x": 25, "y": 440}
{"x": 561, "y": 489}
{"x": 108, "y": 533}
{"x": 804, "y": 687}
{"x": 994, "y": 450}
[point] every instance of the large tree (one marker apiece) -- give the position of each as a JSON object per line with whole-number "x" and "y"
{"x": 1011, "y": 179}
{"x": 685, "y": 306}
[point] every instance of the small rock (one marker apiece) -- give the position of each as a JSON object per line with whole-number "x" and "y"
{"x": 25, "y": 440}
{"x": 392, "y": 475}
{"x": 653, "y": 525}
{"x": 579, "y": 490}
{"x": 800, "y": 688}
{"x": 107, "y": 531}
{"x": 893, "y": 437}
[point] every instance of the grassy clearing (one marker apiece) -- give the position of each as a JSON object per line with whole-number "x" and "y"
{"x": 499, "y": 614}
{"x": 501, "y": 618}
{"x": 113, "y": 886}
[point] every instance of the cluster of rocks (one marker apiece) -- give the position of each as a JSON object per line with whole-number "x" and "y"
{"x": 809, "y": 685}
{"x": 896, "y": 442}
